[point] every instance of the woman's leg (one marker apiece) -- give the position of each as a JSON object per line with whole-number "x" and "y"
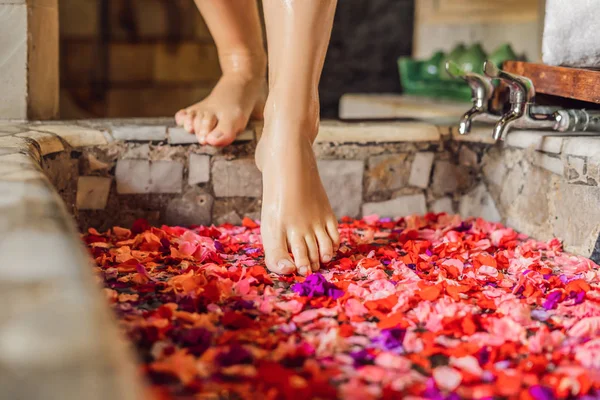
{"x": 235, "y": 27}
{"x": 296, "y": 214}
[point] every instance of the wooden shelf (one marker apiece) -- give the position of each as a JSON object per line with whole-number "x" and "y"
{"x": 572, "y": 83}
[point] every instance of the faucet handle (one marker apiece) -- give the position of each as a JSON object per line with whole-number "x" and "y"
{"x": 481, "y": 85}
{"x": 521, "y": 88}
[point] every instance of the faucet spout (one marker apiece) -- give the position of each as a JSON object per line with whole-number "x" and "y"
{"x": 464, "y": 127}
{"x": 505, "y": 122}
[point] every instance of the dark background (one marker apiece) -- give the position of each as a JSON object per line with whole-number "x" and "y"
{"x": 368, "y": 36}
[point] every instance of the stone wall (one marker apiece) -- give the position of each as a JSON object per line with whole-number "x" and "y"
{"x": 152, "y": 170}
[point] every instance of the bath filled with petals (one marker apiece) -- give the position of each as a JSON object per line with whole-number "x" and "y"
{"x": 434, "y": 306}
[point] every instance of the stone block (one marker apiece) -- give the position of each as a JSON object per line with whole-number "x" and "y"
{"x": 479, "y": 203}
{"x": 194, "y": 207}
{"x": 448, "y": 178}
{"x": 198, "y": 169}
{"x": 236, "y": 178}
{"x": 141, "y": 133}
{"x": 178, "y": 135}
{"x": 92, "y": 192}
{"x": 343, "y": 182}
{"x": 577, "y": 219}
{"x": 420, "y": 170}
{"x": 467, "y": 157}
{"x": 133, "y": 176}
{"x": 399, "y": 207}
{"x": 387, "y": 172}
{"x": 443, "y": 205}
{"x": 166, "y": 177}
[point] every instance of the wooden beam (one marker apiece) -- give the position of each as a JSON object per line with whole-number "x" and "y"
{"x": 572, "y": 83}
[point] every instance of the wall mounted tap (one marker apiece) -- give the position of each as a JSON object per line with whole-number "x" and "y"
{"x": 482, "y": 90}
{"x": 523, "y": 113}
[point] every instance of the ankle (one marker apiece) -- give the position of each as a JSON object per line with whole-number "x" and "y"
{"x": 244, "y": 63}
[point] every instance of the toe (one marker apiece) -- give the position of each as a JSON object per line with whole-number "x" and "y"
{"x": 325, "y": 245}
{"x": 208, "y": 123}
{"x": 313, "y": 252}
{"x": 300, "y": 252}
{"x": 188, "y": 121}
{"x": 198, "y": 128}
{"x": 277, "y": 257}
{"x": 223, "y": 134}
{"x": 179, "y": 117}
{"x": 334, "y": 234}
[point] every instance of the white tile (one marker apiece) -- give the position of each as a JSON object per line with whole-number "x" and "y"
{"x": 583, "y": 146}
{"x": 365, "y": 132}
{"x": 543, "y": 141}
{"x": 420, "y": 171}
{"x": 552, "y": 164}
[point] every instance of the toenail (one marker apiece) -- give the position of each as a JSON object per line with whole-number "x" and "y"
{"x": 326, "y": 258}
{"x": 284, "y": 264}
{"x": 217, "y": 135}
{"x": 303, "y": 270}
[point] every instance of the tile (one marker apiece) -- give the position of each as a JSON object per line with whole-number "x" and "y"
{"x": 443, "y": 205}
{"x": 198, "y": 169}
{"x": 420, "y": 171}
{"x": 583, "y": 146}
{"x": 547, "y": 142}
{"x": 166, "y": 176}
{"x": 92, "y": 192}
{"x": 179, "y": 135}
{"x": 552, "y": 164}
{"x": 133, "y": 176}
{"x": 140, "y": 133}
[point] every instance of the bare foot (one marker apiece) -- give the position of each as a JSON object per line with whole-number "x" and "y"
{"x": 238, "y": 96}
{"x": 296, "y": 214}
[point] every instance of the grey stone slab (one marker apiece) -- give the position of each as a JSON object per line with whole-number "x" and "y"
{"x": 343, "y": 182}
{"x": 140, "y": 133}
{"x": 420, "y": 171}
{"x": 166, "y": 177}
{"x": 133, "y": 176}
{"x": 236, "y": 178}
{"x": 543, "y": 141}
{"x": 194, "y": 207}
{"x": 198, "y": 169}
{"x": 399, "y": 207}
